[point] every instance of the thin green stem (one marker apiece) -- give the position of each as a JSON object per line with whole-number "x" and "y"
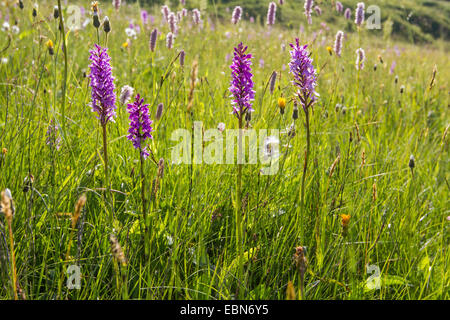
{"x": 107, "y": 181}
{"x": 63, "y": 38}
{"x": 308, "y": 139}
{"x": 239, "y": 235}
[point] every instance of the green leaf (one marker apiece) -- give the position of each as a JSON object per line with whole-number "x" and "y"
{"x": 424, "y": 264}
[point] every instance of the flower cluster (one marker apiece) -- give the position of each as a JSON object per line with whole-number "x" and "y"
{"x": 359, "y": 14}
{"x": 338, "y": 43}
{"x": 308, "y": 9}
{"x": 196, "y": 16}
{"x": 241, "y": 83}
{"x": 360, "y": 57}
{"x": 102, "y": 85}
{"x": 236, "y": 16}
{"x": 348, "y": 14}
{"x": 304, "y": 74}
{"x": 271, "y": 12}
{"x": 140, "y": 125}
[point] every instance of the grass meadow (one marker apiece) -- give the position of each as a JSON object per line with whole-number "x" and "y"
{"x": 374, "y": 219}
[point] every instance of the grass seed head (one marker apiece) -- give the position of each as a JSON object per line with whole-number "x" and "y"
{"x": 7, "y": 205}
{"x": 116, "y": 250}
{"x": 290, "y": 291}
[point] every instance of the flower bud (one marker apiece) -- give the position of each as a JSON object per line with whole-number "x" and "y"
{"x": 106, "y": 25}
{"x": 295, "y": 112}
{"x": 248, "y": 116}
{"x": 96, "y": 20}
{"x": 159, "y": 111}
{"x": 55, "y": 12}
{"x": 412, "y": 162}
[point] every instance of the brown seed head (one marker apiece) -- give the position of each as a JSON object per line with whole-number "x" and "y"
{"x": 116, "y": 250}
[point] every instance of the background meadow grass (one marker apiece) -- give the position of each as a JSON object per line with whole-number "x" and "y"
{"x": 398, "y": 219}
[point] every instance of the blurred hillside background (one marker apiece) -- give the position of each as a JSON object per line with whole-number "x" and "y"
{"x": 415, "y": 21}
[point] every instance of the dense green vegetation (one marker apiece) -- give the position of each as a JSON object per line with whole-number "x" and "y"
{"x": 364, "y": 129}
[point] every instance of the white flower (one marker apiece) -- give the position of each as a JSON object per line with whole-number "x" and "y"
{"x": 86, "y": 23}
{"x": 221, "y": 127}
{"x": 15, "y": 29}
{"x": 131, "y": 33}
{"x": 4, "y": 60}
{"x": 271, "y": 147}
{"x": 5, "y": 26}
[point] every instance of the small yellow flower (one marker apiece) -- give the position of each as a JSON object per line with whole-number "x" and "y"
{"x": 4, "y": 151}
{"x": 94, "y": 6}
{"x": 282, "y": 104}
{"x": 49, "y": 45}
{"x": 330, "y": 50}
{"x": 345, "y": 220}
{"x": 125, "y": 44}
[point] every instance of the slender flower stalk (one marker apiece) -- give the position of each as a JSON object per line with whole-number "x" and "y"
{"x": 338, "y": 43}
{"x": 153, "y": 38}
{"x": 236, "y": 16}
{"x": 144, "y": 17}
{"x": 271, "y": 13}
{"x": 360, "y": 58}
{"x": 169, "y": 40}
{"x": 140, "y": 125}
{"x": 165, "y": 12}
{"x": 359, "y": 14}
{"x": 308, "y": 10}
{"x": 64, "y": 47}
{"x": 172, "y": 20}
{"x": 116, "y": 4}
{"x": 196, "y": 16}
{"x": 53, "y": 139}
{"x": 159, "y": 111}
{"x": 242, "y": 98}
{"x": 273, "y": 80}
{"x": 139, "y": 131}
{"x": 125, "y": 94}
{"x": 241, "y": 83}
{"x": 318, "y": 10}
{"x": 302, "y": 69}
{"x": 348, "y": 14}
{"x": 103, "y": 97}
{"x": 182, "y": 58}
